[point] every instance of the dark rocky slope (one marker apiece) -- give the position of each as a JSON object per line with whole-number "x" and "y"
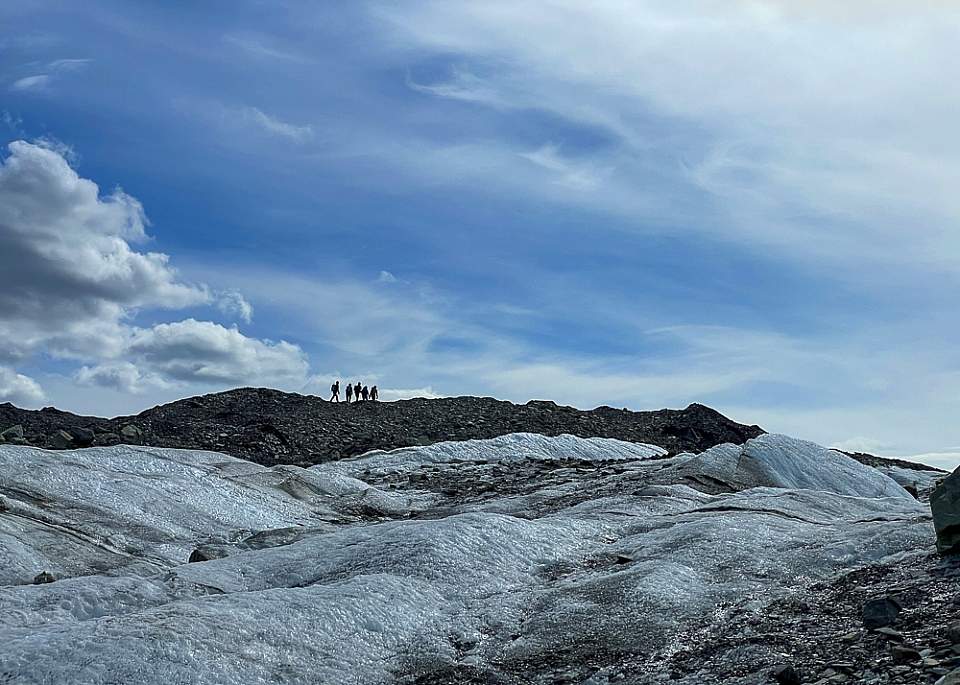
{"x": 271, "y": 427}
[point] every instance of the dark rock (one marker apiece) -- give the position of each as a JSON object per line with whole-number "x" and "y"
{"x": 912, "y": 489}
{"x": 945, "y": 505}
{"x": 786, "y": 675}
{"x": 206, "y": 553}
{"x": 106, "y": 439}
{"x": 60, "y": 440}
{"x": 12, "y": 433}
{"x": 952, "y": 632}
{"x": 82, "y": 437}
{"x": 951, "y": 678}
{"x": 131, "y": 435}
{"x": 890, "y": 634}
{"x": 878, "y": 613}
{"x": 43, "y": 577}
{"x": 272, "y": 427}
{"x": 902, "y": 654}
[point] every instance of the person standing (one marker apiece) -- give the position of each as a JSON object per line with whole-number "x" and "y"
{"x": 374, "y": 394}
{"x": 335, "y": 392}
{"x": 349, "y": 392}
{"x": 356, "y": 391}
{"x": 365, "y": 393}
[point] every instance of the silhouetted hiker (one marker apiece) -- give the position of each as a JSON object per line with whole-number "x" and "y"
{"x": 349, "y": 392}
{"x": 374, "y": 395}
{"x": 335, "y": 392}
{"x": 356, "y": 391}
{"x": 365, "y": 393}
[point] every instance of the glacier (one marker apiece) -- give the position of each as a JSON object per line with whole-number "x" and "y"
{"x": 501, "y": 561}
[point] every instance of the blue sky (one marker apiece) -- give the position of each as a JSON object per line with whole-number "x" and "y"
{"x": 746, "y": 204}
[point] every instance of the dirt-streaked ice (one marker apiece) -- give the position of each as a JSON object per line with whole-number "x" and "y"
{"x": 375, "y": 584}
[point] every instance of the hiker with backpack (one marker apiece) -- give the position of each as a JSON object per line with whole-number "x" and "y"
{"x": 349, "y": 392}
{"x": 335, "y": 392}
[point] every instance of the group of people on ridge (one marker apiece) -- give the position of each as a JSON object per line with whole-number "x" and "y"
{"x": 361, "y": 392}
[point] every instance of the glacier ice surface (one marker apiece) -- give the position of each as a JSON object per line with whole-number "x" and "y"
{"x": 374, "y": 584}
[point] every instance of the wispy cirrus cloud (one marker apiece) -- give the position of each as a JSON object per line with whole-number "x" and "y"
{"x": 274, "y": 126}
{"x": 263, "y": 48}
{"x": 51, "y": 72}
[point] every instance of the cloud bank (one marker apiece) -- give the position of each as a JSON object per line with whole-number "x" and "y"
{"x": 73, "y": 279}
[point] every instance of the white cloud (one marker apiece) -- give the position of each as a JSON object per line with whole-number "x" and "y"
{"x": 53, "y": 70}
{"x": 233, "y": 303}
{"x": 69, "y": 64}
{"x": 275, "y": 126}
{"x": 193, "y": 351}
{"x": 71, "y": 279}
{"x": 69, "y": 273}
{"x": 462, "y": 85}
{"x": 758, "y": 106}
{"x": 35, "y": 82}
{"x": 567, "y": 172}
{"x": 262, "y": 48}
{"x": 19, "y": 389}
{"x": 386, "y": 277}
{"x": 11, "y": 121}
{"x": 123, "y": 376}
{"x": 393, "y": 394}
{"x": 861, "y": 444}
{"x": 948, "y": 461}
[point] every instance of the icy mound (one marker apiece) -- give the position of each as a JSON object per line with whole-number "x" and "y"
{"x": 783, "y": 462}
{"x": 78, "y": 512}
{"x": 506, "y": 448}
{"x": 611, "y": 565}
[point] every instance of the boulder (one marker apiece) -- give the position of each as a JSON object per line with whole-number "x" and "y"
{"x": 952, "y": 633}
{"x": 206, "y": 553}
{"x": 13, "y": 433}
{"x": 945, "y": 505}
{"x": 43, "y": 577}
{"x": 60, "y": 440}
{"x": 106, "y": 439}
{"x": 902, "y": 654}
{"x": 952, "y": 678}
{"x": 786, "y": 675}
{"x": 878, "y": 613}
{"x": 131, "y": 435}
{"x": 82, "y": 437}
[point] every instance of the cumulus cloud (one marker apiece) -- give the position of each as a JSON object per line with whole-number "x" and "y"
{"x": 204, "y": 352}
{"x": 69, "y": 272}
{"x": 19, "y": 389}
{"x": 72, "y": 279}
{"x": 122, "y": 375}
{"x": 393, "y": 394}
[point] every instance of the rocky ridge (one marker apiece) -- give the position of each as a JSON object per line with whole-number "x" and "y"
{"x": 272, "y": 427}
